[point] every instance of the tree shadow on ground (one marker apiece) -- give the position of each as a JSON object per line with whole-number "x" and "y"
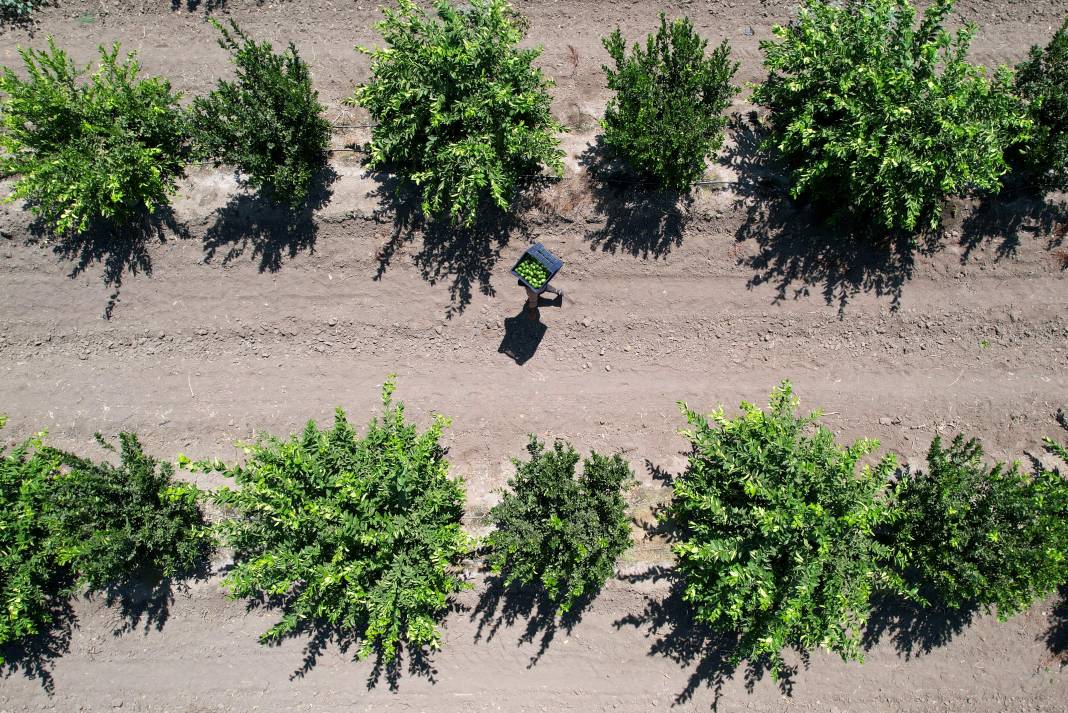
{"x": 141, "y": 603}
{"x": 797, "y": 249}
{"x": 504, "y": 606}
{"x": 272, "y": 231}
{"x": 913, "y": 629}
{"x": 1057, "y": 633}
{"x": 659, "y": 526}
{"x": 390, "y": 670}
{"x": 10, "y": 19}
{"x": 712, "y": 655}
{"x": 145, "y": 602}
{"x": 463, "y": 256}
{"x": 320, "y": 636}
{"x": 120, "y": 249}
{"x": 1001, "y": 219}
{"x": 639, "y": 219}
{"x": 33, "y": 657}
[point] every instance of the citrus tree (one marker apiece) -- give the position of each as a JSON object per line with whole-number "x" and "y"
{"x": 1042, "y": 82}
{"x": 565, "y": 531}
{"x": 777, "y": 528}
{"x": 69, "y": 524}
{"x": 268, "y": 123}
{"x": 112, "y": 523}
{"x": 29, "y": 576}
{"x": 666, "y": 116}
{"x": 982, "y": 535}
{"x": 881, "y": 120}
{"x": 360, "y": 534}
{"x": 108, "y": 147}
{"x": 460, "y": 109}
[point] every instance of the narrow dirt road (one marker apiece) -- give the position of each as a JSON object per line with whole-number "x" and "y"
{"x": 627, "y": 653}
{"x": 245, "y": 319}
{"x": 204, "y": 352}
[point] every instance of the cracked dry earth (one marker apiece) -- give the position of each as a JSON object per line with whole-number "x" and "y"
{"x": 242, "y": 319}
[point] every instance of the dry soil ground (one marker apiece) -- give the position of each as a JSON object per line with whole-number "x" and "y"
{"x": 242, "y": 319}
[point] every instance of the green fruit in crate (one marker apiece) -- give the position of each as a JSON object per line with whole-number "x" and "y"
{"x": 532, "y": 271}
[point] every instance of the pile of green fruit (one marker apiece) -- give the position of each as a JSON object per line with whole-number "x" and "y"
{"x": 532, "y": 271}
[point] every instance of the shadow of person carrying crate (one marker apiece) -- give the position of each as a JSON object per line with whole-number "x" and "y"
{"x": 524, "y": 332}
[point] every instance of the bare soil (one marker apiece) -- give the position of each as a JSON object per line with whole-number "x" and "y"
{"x": 234, "y": 318}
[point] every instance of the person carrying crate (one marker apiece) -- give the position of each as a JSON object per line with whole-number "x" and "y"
{"x": 533, "y": 298}
{"x": 534, "y": 269}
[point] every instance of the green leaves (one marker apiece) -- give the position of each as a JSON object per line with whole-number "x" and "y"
{"x": 107, "y": 148}
{"x": 29, "y": 576}
{"x": 268, "y": 123}
{"x": 565, "y": 532}
{"x": 782, "y": 534}
{"x": 360, "y": 534}
{"x": 783, "y": 541}
{"x": 666, "y": 116}
{"x": 777, "y": 530}
{"x": 112, "y": 146}
{"x": 113, "y": 522}
{"x": 68, "y": 523}
{"x": 881, "y": 120}
{"x": 1042, "y": 82}
{"x": 460, "y": 110}
{"x": 18, "y": 9}
{"x": 982, "y": 535}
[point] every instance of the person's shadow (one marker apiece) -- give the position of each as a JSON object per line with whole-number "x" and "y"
{"x": 523, "y": 332}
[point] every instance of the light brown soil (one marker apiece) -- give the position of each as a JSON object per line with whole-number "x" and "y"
{"x": 252, "y": 320}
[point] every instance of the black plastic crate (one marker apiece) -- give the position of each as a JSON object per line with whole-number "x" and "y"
{"x": 545, "y": 258}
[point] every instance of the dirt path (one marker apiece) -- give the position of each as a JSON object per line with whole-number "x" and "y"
{"x": 616, "y": 659}
{"x": 205, "y": 351}
{"x": 250, "y": 320}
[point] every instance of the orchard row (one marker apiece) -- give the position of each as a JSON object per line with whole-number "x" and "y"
{"x": 876, "y": 116}
{"x": 782, "y": 536}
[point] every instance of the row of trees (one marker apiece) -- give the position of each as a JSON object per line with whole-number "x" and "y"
{"x": 876, "y": 119}
{"x": 781, "y": 535}
{"x": 113, "y": 145}
{"x": 785, "y": 536}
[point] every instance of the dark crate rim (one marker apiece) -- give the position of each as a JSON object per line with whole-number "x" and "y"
{"x": 545, "y": 258}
